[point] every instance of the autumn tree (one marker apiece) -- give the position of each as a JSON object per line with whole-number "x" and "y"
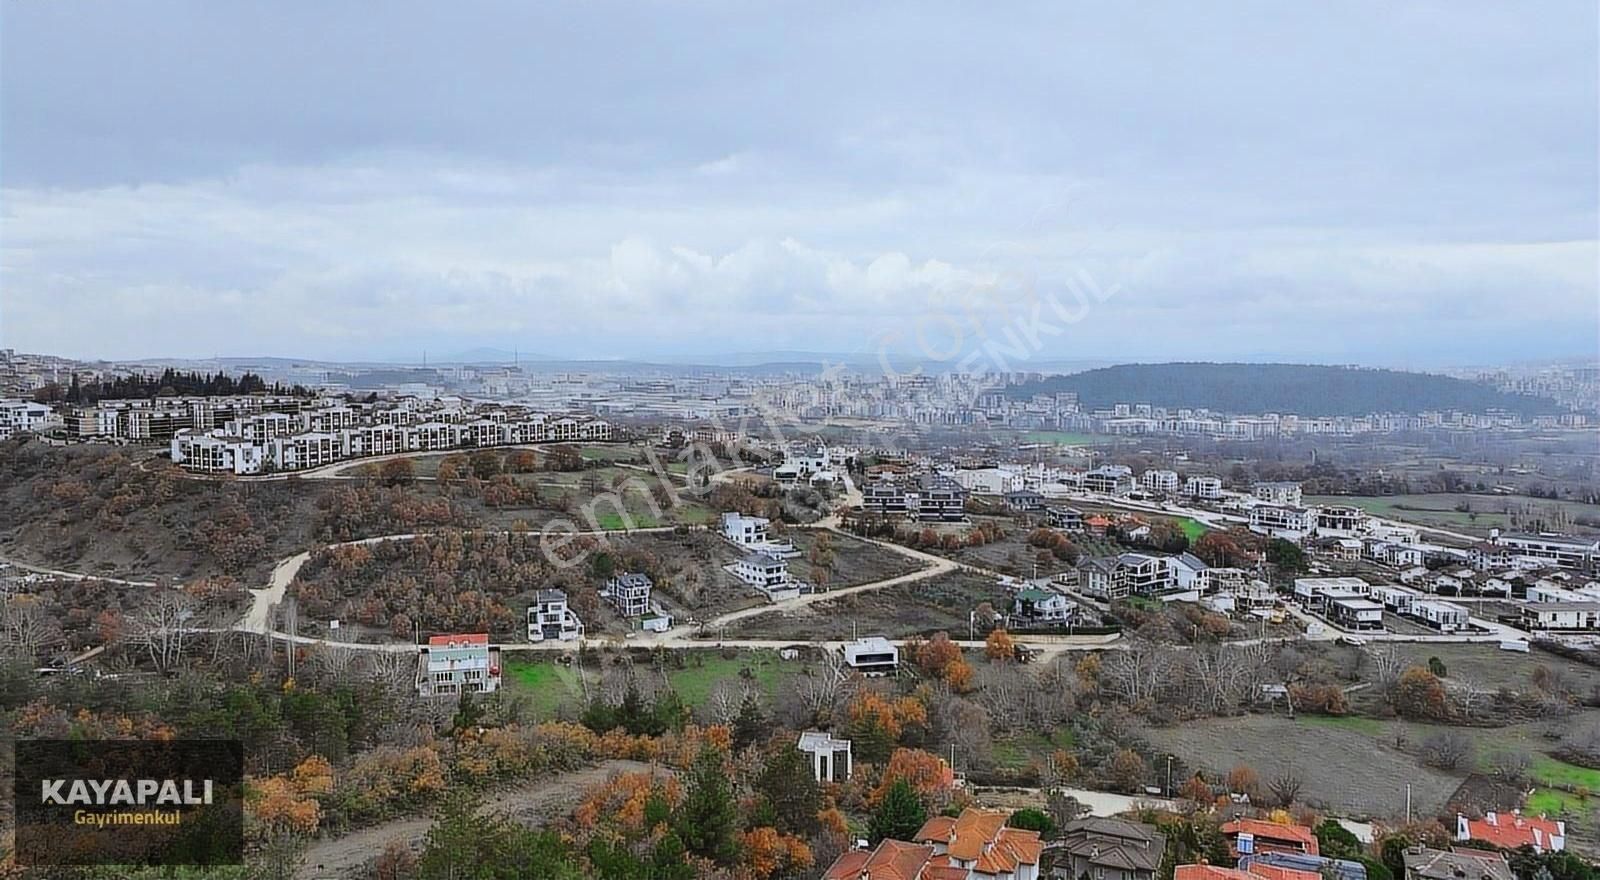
{"x": 927, "y": 774}
{"x": 1420, "y": 696}
{"x": 1000, "y": 646}
{"x": 1127, "y": 770}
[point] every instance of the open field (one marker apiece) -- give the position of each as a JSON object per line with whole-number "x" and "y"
{"x": 550, "y": 687}
{"x": 937, "y": 603}
{"x": 1483, "y": 512}
{"x": 1342, "y": 767}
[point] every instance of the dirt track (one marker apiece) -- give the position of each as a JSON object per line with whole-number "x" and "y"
{"x": 342, "y": 857}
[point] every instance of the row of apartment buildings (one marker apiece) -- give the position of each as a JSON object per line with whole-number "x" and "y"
{"x": 272, "y": 441}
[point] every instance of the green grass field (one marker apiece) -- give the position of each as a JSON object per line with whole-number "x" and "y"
{"x": 1439, "y": 508}
{"x": 546, "y": 685}
{"x": 1549, "y": 771}
{"x": 1019, "y": 751}
{"x": 704, "y": 669}
{"x": 1192, "y": 528}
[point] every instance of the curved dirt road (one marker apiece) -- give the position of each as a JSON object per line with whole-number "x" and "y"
{"x": 530, "y": 803}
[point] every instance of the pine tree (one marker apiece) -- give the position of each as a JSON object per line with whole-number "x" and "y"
{"x": 750, "y": 727}
{"x": 790, "y": 791}
{"x": 899, "y": 815}
{"x": 708, "y": 818}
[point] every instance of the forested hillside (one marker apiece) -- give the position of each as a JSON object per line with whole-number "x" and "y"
{"x": 1303, "y": 389}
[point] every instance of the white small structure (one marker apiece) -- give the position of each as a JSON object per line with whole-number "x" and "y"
{"x": 831, "y": 760}
{"x": 871, "y": 656}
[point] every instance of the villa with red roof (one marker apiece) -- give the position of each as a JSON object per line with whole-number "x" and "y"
{"x": 1514, "y": 830}
{"x": 1255, "y": 871}
{"x": 976, "y": 845}
{"x": 457, "y": 664}
{"x": 1249, "y": 836}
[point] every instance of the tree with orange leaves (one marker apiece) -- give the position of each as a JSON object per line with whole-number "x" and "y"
{"x": 935, "y": 655}
{"x": 1000, "y": 646}
{"x": 927, "y": 773}
{"x": 766, "y": 853}
{"x": 877, "y": 723}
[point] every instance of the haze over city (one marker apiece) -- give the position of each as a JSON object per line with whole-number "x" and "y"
{"x": 181, "y": 180}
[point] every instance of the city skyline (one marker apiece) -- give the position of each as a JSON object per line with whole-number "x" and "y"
{"x": 218, "y": 185}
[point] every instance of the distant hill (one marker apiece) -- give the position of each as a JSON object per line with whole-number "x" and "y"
{"x": 1303, "y": 389}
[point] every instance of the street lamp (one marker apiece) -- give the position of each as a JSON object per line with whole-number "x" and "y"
{"x": 1169, "y": 776}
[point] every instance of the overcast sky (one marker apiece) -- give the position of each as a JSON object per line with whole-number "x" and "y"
{"x": 1409, "y": 185}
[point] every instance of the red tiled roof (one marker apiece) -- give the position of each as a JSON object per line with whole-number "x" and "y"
{"x": 1274, "y": 872}
{"x": 1514, "y": 830}
{"x": 1208, "y": 872}
{"x": 464, "y": 639}
{"x": 891, "y": 860}
{"x": 1296, "y": 836}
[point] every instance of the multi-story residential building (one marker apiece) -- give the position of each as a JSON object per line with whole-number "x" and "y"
{"x": 1566, "y": 551}
{"x": 745, "y": 531}
{"x": 1111, "y": 479}
{"x": 1033, "y": 606}
{"x": 1160, "y": 480}
{"x": 216, "y": 454}
{"x": 763, "y": 571}
{"x": 629, "y": 593}
{"x": 17, "y": 416}
{"x": 1101, "y": 578}
{"x": 1342, "y": 522}
{"x": 549, "y": 617}
{"x": 458, "y": 664}
{"x": 937, "y": 498}
{"x": 1277, "y": 493}
{"x": 1203, "y": 488}
{"x": 1279, "y": 521}
{"x": 1145, "y": 575}
{"x": 979, "y": 846}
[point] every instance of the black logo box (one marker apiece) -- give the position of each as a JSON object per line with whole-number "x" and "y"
{"x": 56, "y": 834}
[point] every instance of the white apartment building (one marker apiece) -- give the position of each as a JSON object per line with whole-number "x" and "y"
{"x": 1279, "y": 521}
{"x": 214, "y": 454}
{"x": 17, "y": 416}
{"x": 1160, "y": 480}
{"x": 1277, "y": 492}
{"x": 1566, "y": 551}
{"x": 1342, "y": 521}
{"x": 1203, "y": 488}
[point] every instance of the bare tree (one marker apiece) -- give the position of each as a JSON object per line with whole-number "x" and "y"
{"x": 1387, "y": 664}
{"x": 27, "y": 627}
{"x": 1285, "y": 787}
{"x": 723, "y": 705}
{"x": 162, "y": 625}
{"x": 1510, "y": 765}
{"x": 1447, "y": 750}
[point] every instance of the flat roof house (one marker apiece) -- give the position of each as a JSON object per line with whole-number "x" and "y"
{"x": 871, "y": 656}
{"x": 630, "y": 593}
{"x": 831, "y": 760}
{"x": 550, "y": 618}
{"x": 1442, "y": 616}
{"x": 1356, "y": 613}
